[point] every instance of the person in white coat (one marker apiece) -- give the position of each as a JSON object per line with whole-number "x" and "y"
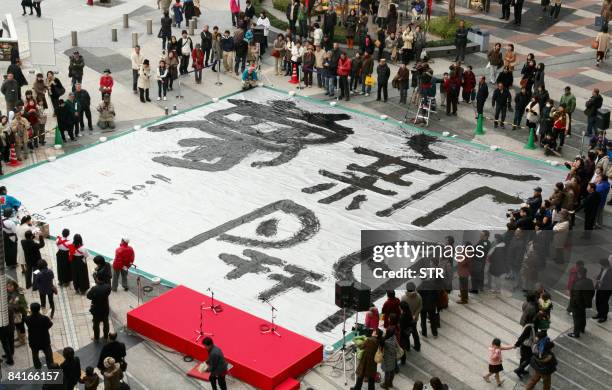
{"x": 26, "y": 224}
{"x": 144, "y": 81}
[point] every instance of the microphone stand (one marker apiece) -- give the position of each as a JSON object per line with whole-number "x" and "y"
{"x": 200, "y": 332}
{"x": 215, "y": 309}
{"x": 272, "y": 328}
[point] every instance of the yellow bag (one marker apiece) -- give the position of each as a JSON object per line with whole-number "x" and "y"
{"x": 378, "y": 357}
{"x": 369, "y": 81}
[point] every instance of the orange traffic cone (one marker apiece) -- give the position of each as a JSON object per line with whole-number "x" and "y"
{"x": 294, "y": 76}
{"x": 13, "y": 162}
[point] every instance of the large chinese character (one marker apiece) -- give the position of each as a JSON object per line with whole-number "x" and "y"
{"x": 452, "y": 178}
{"x": 309, "y": 226}
{"x": 248, "y": 127}
{"x": 367, "y": 182}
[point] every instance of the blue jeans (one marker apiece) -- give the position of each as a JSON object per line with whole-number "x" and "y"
{"x": 331, "y": 85}
{"x": 365, "y": 88}
{"x": 591, "y": 125}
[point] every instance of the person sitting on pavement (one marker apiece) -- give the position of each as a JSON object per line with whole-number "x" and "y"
{"x": 106, "y": 119}
{"x": 249, "y": 78}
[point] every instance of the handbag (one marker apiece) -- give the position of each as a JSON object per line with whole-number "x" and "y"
{"x": 275, "y": 53}
{"x": 369, "y": 81}
{"x": 378, "y": 356}
{"x": 399, "y": 351}
{"x": 443, "y": 300}
{"x": 160, "y": 34}
{"x": 595, "y": 45}
{"x": 54, "y": 289}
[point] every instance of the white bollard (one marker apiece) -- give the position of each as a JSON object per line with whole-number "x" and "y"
{"x": 103, "y": 139}
{"x": 333, "y": 104}
{"x": 215, "y": 99}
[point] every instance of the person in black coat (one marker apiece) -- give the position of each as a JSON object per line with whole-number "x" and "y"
{"x": 100, "y": 308}
{"x": 38, "y": 335}
{"x": 103, "y": 270}
{"x": 581, "y": 298}
{"x": 525, "y": 343}
{"x": 604, "y": 291}
{"x": 478, "y": 263}
{"x": 292, "y": 14}
{"x": 165, "y": 32}
{"x": 330, "y": 19}
{"x": 407, "y": 328}
{"x": 31, "y": 251}
{"x": 84, "y": 107}
{"x": 497, "y": 262}
{"x": 460, "y": 41}
{"x": 71, "y": 368}
{"x": 206, "y": 43}
{"x": 518, "y": 11}
{"x": 15, "y": 69}
{"x": 501, "y": 99}
{"x": 65, "y": 120}
{"x": 482, "y": 95}
{"x": 43, "y": 282}
{"x": 520, "y": 103}
{"x": 383, "y": 72}
{"x": 114, "y": 349}
{"x": 590, "y": 206}
{"x": 429, "y": 291}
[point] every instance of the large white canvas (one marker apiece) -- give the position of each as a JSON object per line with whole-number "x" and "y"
{"x": 160, "y": 215}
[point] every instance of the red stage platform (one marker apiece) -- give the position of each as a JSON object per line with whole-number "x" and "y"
{"x": 261, "y": 360}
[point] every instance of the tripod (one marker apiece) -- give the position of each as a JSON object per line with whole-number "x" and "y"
{"x": 343, "y": 349}
{"x": 200, "y": 332}
{"x": 215, "y": 309}
{"x": 272, "y": 328}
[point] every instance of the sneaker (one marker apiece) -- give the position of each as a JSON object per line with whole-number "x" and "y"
{"x": 165, "y": 98}
{"x": 367, "y": 94}
{"x": 573, "y": 335}
{"x": 158, "y": 98}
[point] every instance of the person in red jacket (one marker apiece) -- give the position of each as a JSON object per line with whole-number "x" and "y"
{"x": 573, "y": 275}
{"x": 106, "y": 83}
{"x": 198, "y": 62}
{"x": 124, "y": 258}
{"x": 344, "y": 69}
{"x": 391, "y": 306}
{"x": 469, "y": 83}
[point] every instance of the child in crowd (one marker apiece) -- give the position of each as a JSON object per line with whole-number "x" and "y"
{"x": 372, "y": 318}
{"x": 495, "y": 360}
{"x": 91, "y": 379}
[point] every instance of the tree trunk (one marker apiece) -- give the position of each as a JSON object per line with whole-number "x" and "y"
{"x": 451, "y": 10}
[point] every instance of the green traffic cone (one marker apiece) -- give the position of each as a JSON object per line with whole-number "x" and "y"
{"x": 58, "y": 137}
{"x": 531, "y": 142}
{"x": 479, "y": 128}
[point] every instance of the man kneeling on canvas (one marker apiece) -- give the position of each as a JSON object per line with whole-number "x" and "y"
{"x": 106, "y": 120}
{"x": 249, "y": 78}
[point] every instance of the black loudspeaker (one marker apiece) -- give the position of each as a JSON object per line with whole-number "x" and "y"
{"x": 603, "y": 119}
{"x": 258, "y": 34}
{"x": 344, "y": 294}
{"x": 361, "y": 297}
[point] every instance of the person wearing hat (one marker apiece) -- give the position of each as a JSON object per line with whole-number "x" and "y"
{"x": 106, "y": 83}
{"x": 106, "y": 111}
{"x": 144, "y": 81}
{"x": 112, "y": 374}
{"x": 124, "y": 258}
{"x": 39, "y": 338}
{"x": 75, "y": 69}
{"x": 249, "y": 78}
